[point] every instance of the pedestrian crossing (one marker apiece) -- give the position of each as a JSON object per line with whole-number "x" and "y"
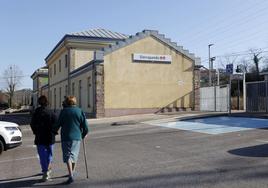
{"x": 213, "y": 125}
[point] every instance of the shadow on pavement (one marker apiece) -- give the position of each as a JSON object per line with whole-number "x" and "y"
{"x": 27, "y": 182}
{"x": 13, "y": 179}
{"x": 21, "y": 183}
{"x": 252, "y": 151}
{"x": 202, "y": 178}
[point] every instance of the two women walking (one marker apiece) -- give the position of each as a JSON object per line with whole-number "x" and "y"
{"x": 74, "y": 128}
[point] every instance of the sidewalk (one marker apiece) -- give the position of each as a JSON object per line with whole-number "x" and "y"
{"x": 132, "y": 119}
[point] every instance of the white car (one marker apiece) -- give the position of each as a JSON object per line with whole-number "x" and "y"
{"x": 10, "y": 135}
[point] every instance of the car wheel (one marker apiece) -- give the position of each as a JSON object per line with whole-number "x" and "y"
{"x": 1, "y": 146}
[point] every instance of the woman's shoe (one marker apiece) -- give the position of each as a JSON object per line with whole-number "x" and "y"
{"x": 45, "y": 177}
{"x": 70, "y": 180}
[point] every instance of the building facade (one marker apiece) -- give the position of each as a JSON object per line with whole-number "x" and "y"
{"x": 40, "y": 80}
{"x": 113, "y": 74}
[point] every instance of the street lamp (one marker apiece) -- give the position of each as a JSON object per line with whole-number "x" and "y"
{"x": 209, "y": 62}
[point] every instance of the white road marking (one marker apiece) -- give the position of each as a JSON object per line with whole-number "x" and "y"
{"x": 264, "y": 141}
{"x": 29, "y": 146}
{"x": 12, "y": 160}
{"x": 160, "y": 121}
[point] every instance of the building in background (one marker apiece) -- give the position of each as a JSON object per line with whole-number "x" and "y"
{"x": 22, "y": 97}
{"x": 3, "y": 100}
{"x": 40, "y": 81}
{"x": 113, "y": 74}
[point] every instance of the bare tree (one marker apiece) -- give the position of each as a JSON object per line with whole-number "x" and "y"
{"x": 12, "y": 76}
{"x": 227, "y": 59}
{"x": 256, "y": 61}
{"x": 256, "y": 58}
{"x": 245, "y": 63}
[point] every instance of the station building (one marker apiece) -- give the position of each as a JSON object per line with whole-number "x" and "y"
{"x": 114, "y": 74}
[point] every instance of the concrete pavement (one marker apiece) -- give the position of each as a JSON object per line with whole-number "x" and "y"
{"x": 135, "y": 154}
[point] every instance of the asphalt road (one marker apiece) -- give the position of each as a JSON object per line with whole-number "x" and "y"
{"x": 142, "y": 155}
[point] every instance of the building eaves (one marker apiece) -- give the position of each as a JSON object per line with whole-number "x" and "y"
{"x": 145, "y": 33}
{"x": 80, "y": 38}
{"x": 83, "y": 68}
{"x": 44, "y": 86}
{"x": 40, "y": 72}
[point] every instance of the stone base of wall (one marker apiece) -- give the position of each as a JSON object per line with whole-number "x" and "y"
{"x": 134, "y": 111}
{"x": 90, "y": 115}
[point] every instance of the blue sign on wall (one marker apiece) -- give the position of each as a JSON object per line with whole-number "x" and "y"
{"x": 229, "y": 68}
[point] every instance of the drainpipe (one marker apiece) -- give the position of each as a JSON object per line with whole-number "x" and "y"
{"x": 69, "y": 70}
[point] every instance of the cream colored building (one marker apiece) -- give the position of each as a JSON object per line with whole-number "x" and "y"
{"x": 113, "y": 74}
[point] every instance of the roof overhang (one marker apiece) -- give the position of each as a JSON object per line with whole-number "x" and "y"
{"x": 70, "y": 41}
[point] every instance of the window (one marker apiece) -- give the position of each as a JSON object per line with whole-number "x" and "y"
{"x": 88, "y": 91}
{"x": 54, "y": 69}
{"x": 66, "y": 90}
{"x": 60, "y": 65}
{"x": 73, "y": 89}
{"x": 50, "y": 97}
{"x": 50, "y": 72}
{"x": 55, "y": 95}
{"x": 79, "y": 93}
{"x": 60, "y": 98}
{"x": 66, "y": 61}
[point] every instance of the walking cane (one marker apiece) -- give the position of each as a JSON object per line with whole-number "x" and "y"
{"x": 85, "y": 156}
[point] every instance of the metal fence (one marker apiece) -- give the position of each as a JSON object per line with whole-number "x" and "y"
{"x": 257, "y": 96}
{"x": 215, "y": 98}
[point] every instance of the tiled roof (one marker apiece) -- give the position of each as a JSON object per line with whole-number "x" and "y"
{"x": 100, "y": 33}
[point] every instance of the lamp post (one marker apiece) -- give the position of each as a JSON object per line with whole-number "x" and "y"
{"x": 209, "y": 62}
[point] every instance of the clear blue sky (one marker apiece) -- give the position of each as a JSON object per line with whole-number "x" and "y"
{"x": 30, "y": 29}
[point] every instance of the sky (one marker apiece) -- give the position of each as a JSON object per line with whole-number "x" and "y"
{"x": 29, "y": 29}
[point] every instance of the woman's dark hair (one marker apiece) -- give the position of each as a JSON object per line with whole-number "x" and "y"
{"x": 42, "y": 100}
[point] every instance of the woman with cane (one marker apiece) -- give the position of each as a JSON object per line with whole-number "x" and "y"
{"x": 74, "y": 128}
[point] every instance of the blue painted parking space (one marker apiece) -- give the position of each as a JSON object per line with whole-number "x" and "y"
{"x": 216, "y": 125}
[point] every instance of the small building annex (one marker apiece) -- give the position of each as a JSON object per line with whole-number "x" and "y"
{"x": 40, "y": 83}
{"x": 113, "y": 74}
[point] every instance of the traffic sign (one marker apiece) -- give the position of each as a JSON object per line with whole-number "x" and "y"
{"x": 229, "y": 68}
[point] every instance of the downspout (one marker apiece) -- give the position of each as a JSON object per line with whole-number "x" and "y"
{"x": 69, "y": 70}
{"x": 193, "y": 96}
{"x": 94, "y": 88}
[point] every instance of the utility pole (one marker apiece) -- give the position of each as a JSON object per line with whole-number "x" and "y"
{"x": 210, "y": 64}
{"x": 238, "y": 94}
{"x": 244, "y": 89}
{"x": 11, "y": 87}
{"x": 218, "y": 77}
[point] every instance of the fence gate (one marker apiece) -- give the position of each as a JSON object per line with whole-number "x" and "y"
{"x": 215, "y": 98}
{"x": 257, "y": 96}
